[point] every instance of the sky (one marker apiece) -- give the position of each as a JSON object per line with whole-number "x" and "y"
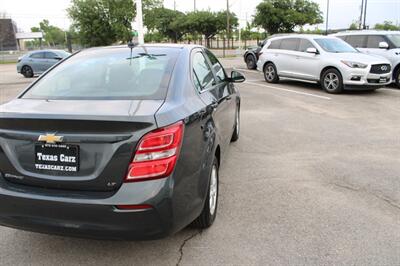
{"x": 28, "y": 13}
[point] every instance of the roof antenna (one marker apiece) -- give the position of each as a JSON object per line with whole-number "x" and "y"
{"x": 133, "y": 43}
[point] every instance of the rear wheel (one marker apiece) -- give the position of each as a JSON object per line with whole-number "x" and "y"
{"x": 251, "y": 62}
{"x": 207, "y": 216}
{"x": 235, "y": 135}
{"x": 332, "y": 81}
{"x": 270, "y": 73}
{"x": 397, "y": 77}
{"x": 27, "y": 71}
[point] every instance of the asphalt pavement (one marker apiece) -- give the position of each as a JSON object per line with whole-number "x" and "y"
{"x": 313, "y": 180}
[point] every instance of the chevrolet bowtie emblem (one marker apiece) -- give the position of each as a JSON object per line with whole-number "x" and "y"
{"x": 51, "y": 138}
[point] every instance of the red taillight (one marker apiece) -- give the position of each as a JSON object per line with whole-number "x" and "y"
{"x": 156, "y": 154}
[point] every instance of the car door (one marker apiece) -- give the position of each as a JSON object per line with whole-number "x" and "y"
{"x": 307, "y": 63}
{"x": 37, "y": 61}
{"x": 51, "y": 59}
{"x": 225, "y": 94}
{"x": 288, "y": 57}
{"x": 209, "y": 90}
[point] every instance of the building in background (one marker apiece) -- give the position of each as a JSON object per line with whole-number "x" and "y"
{"x": 11, "y": 39}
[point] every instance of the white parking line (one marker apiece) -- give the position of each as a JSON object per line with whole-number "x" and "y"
{"x": 288, "y": 90}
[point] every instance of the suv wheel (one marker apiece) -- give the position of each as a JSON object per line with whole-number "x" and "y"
{"x": 332, "y": 81}
{"x": 251, "y": 62}
{"x": 270, "y": 73}
{"x": 397, "y": 77}
{"x": 207, "y": 216}
{"x": 27, "y": 71}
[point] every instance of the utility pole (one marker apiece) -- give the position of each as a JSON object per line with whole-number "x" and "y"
{"x": 227, "y": 22}
{"x": 139, "y": 20}
{"x": 327, "y": 17}
{"x": 194, "y": 5}
{"x": 174, "y": 5}
{"x": 361, "y": 15}
{"x": 365, "y": 14}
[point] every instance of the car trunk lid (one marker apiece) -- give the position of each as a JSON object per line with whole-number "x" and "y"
{"x": 68, "y": 144}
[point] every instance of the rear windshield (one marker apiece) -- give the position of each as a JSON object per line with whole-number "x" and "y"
{"x": 110, "y": 73}
{"x": 335, "y": 45}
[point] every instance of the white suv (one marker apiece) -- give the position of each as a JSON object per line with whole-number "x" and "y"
{"x": 327, "y": 60}
{"x": 382, "y": 43}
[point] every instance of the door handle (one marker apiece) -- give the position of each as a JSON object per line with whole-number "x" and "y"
{"x": 228, "y": 98}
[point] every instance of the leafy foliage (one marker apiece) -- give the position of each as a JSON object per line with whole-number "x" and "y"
{"x": 386, "y": 25}
{"x": 282, "y": 16}
{"x": 103, "y": 22}
{"x": 51, "y": 34}
{"x": 166, "y": 22}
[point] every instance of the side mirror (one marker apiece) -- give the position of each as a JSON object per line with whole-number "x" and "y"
{"x": 312, "y": 50}
{"x": 237, "y": 77}
{"x": 383, "y": 45}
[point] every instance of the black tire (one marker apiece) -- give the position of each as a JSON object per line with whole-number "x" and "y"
{"x": 236, "y": 132}
{"x": 270, "y": 73}
{"x": 332, "y": 81}
{"x": 27, "y": 71}
{"x": 397, "y": 77}
{"x": 207, "y": 216}
{"x": 251, "y": 62}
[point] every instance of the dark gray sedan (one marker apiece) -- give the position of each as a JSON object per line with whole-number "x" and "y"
{"x": 37, "y": 62}
{"x": 119, "y": 143}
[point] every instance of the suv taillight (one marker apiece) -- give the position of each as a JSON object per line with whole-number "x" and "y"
{"x": 156, "y": 154}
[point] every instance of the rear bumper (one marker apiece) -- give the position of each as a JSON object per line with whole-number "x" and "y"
{"x": 92, "y": 218}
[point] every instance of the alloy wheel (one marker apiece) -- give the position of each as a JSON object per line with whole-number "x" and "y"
{"x": 213, "y": 190}
{"x": 331, "y": 81}
{"x": 270, "y": 73}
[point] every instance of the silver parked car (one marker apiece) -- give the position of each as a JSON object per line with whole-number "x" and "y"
{"x": 382, "y": 43}
{"x": 37, "y": 62}
{"x": 327, "y": 60}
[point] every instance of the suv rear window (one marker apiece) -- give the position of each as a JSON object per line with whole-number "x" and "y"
{"x": 290, "y": 44}
{"x": 275, "y": 44}
{"x": 110, "y": 73}
{"x": 357, "y": 41}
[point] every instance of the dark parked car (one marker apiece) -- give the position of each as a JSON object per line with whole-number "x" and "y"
{"x": 252, "y": 54}
{"x": 119, "y": 143}
{"x": 37, "y": 62}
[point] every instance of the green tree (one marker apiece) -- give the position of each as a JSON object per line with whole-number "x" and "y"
{"x": 201, "y": 22}
{"x": 166, "y": 22}
{"x": 222, "y": 20}
{"x": 282, "y": 16}
{"x": 386, "y": 25}
{"x": 353, "y": 26}
{"x": 52, "y": 35}
{"x": 103, "y": 22}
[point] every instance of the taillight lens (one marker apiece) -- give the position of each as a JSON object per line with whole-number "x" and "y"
{"x": 156, "y": 154}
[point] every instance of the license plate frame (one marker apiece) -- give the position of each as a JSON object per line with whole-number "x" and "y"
{"x": 382, "y": 80}
{"x": 61, "y": 158}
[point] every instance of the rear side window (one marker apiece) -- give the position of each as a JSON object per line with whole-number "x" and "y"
{"x": 275, "y": 44}
{"x": 203, "y": 76}
{"x": 110, "y": 73}
{"x": 37, "y": 55}
{"x": 304, "y": 45}
{"x": 374, "y": 40}
{"x": 291, "y": 44}
{"x": 357, "y": 41}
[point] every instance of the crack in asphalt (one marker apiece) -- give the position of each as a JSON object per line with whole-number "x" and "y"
{"x": 383, "y": 198}
{"x": 184, "y": 243}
